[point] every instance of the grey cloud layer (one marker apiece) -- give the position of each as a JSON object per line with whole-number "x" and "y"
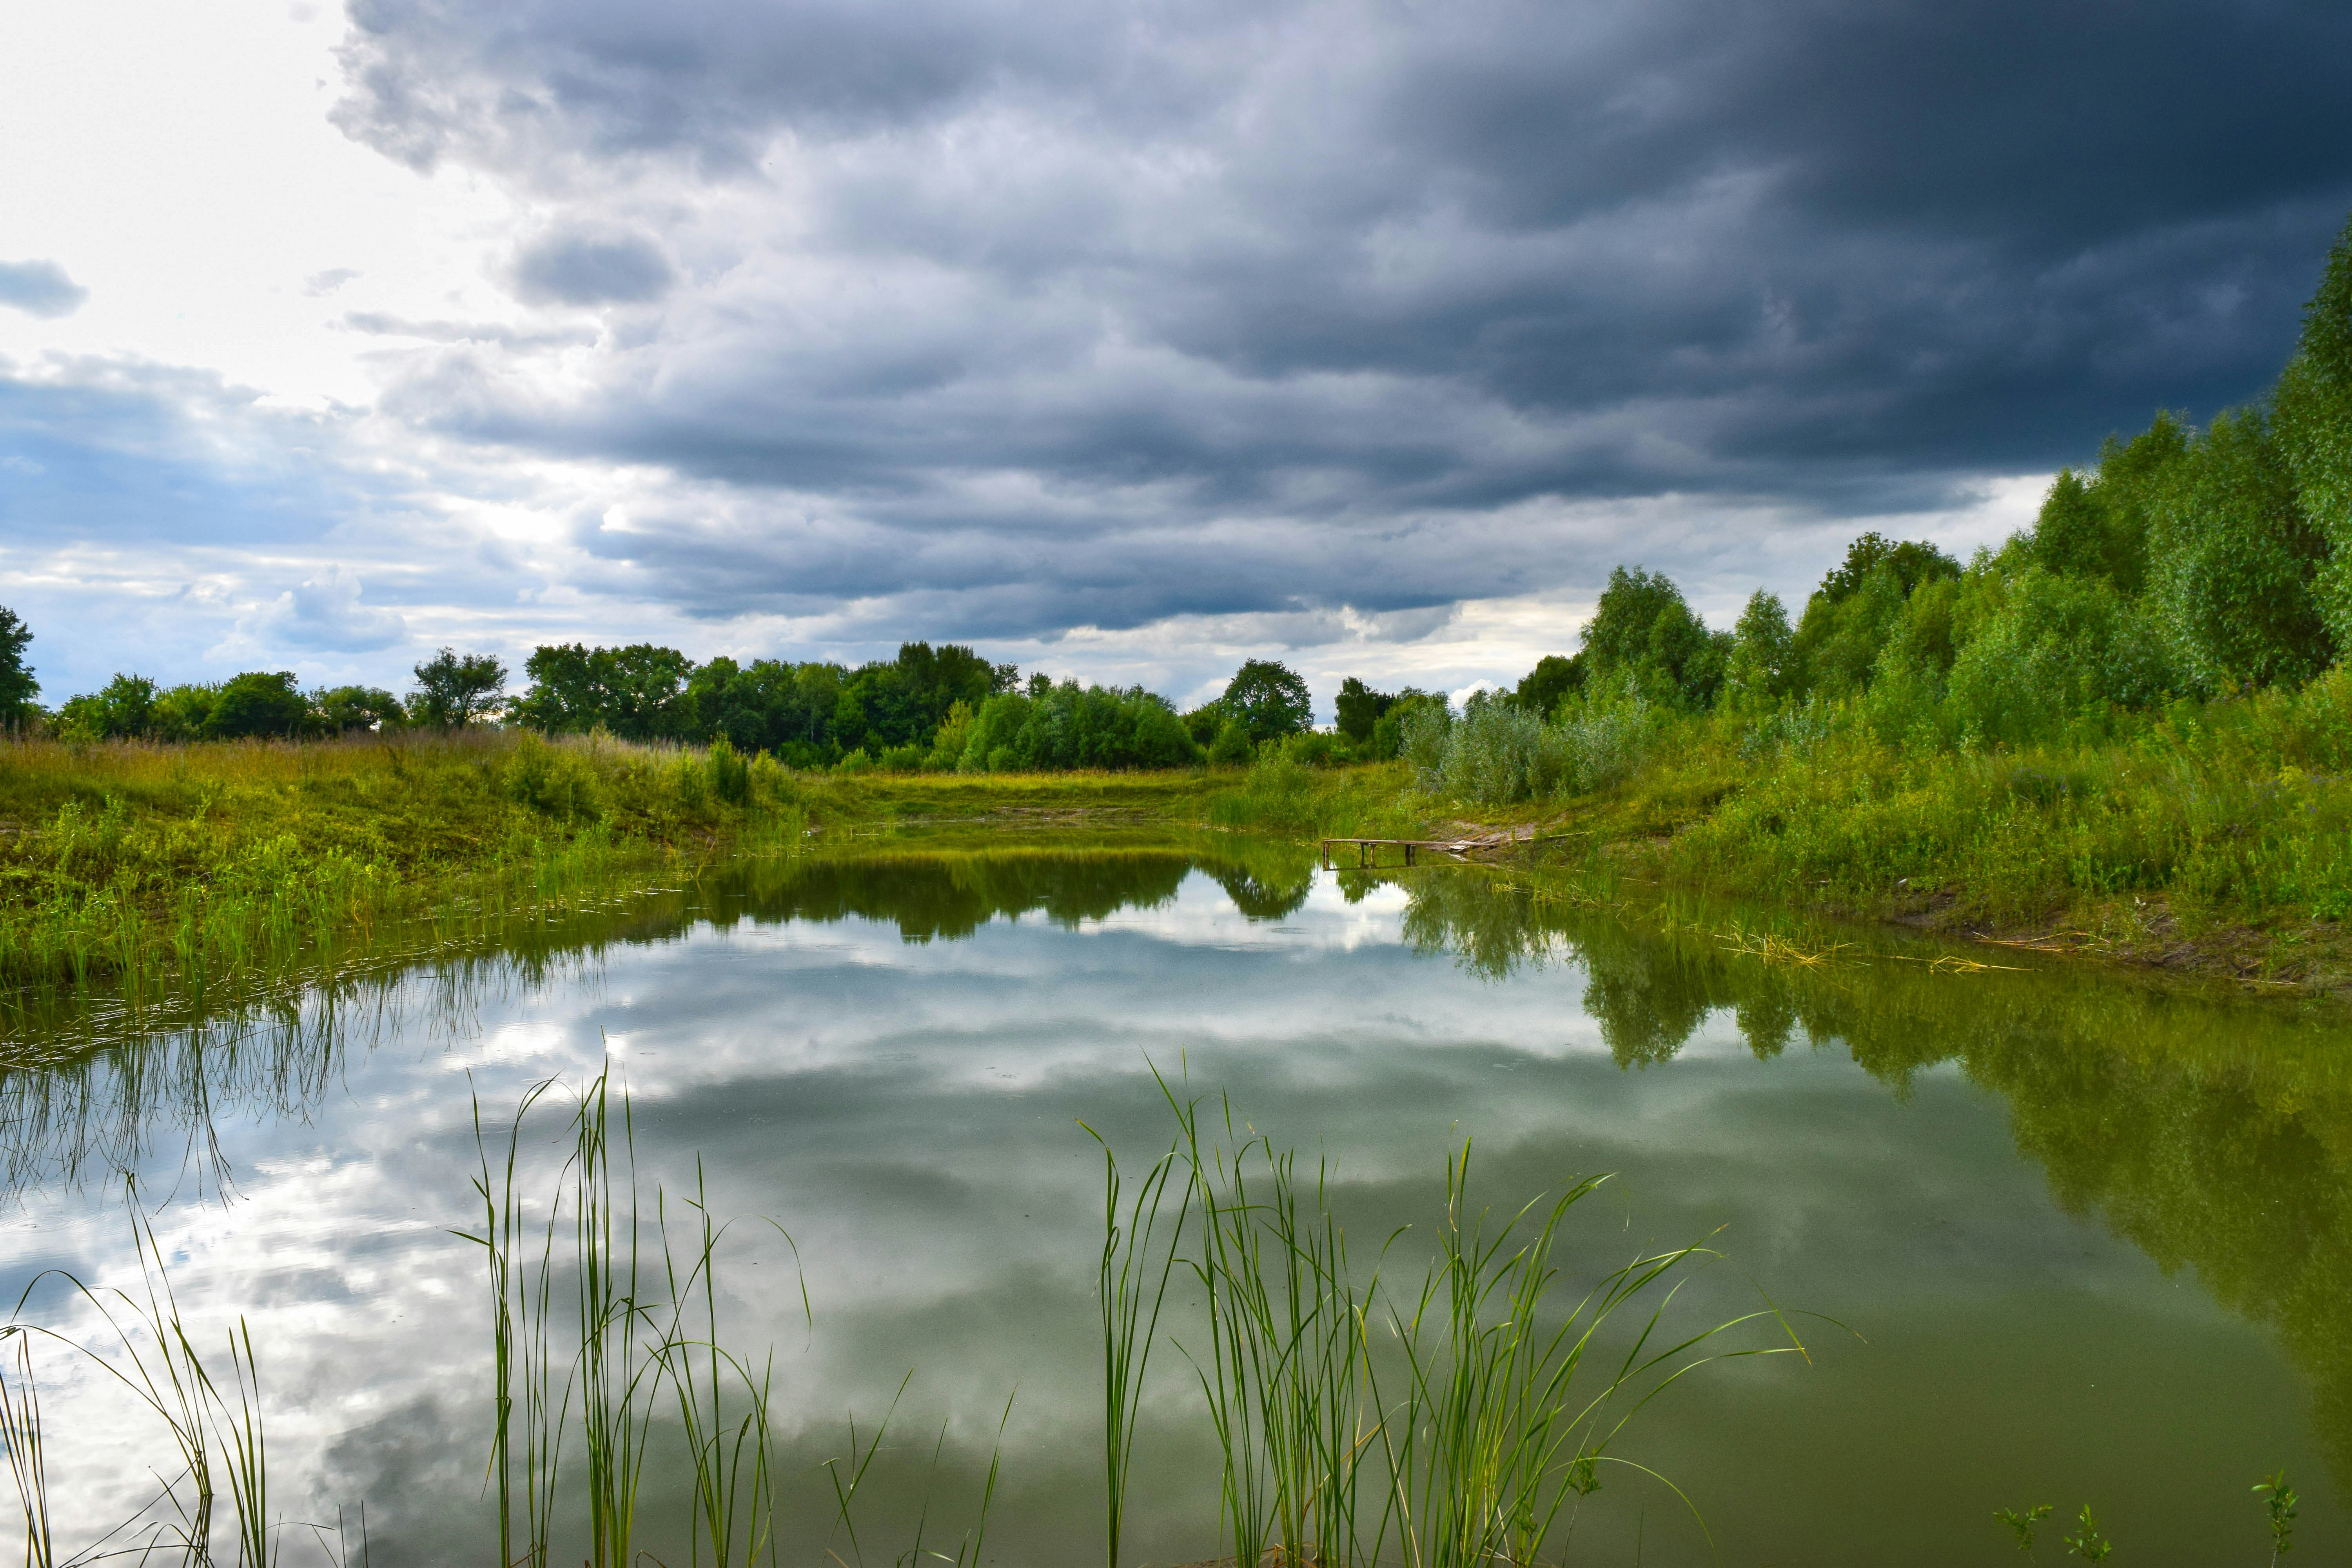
{"x": 1028, "y": 316}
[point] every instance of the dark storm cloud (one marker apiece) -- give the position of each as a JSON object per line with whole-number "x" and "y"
{"x": 1101, "y": 314}
{"x": 587, "y": 268}
{"x": 39, "y": 288}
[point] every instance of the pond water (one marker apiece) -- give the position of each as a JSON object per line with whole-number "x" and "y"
{"x": 2081, "y": 1240}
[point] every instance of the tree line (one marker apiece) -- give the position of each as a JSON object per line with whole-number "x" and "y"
{"x": 927, "y": 708}
{"x": 2185, "y": 562}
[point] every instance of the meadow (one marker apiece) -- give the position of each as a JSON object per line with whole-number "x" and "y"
{"x": 234, "y": 867}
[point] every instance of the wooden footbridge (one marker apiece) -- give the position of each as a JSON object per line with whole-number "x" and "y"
{"x": 1367, "y": 849}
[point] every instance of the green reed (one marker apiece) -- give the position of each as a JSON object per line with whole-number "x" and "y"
{"x": 1284, "y": 1370}
{"x": 159, "y": 1365}
{"x": 1495, "y": 1433}
{"x": 1452, "y": 1424}
{"x": 592, "y": 1372}
{"x": 733, "y": 1453}
{"x": 20, "y": 1440}
{"x": 1129, "y": 1294}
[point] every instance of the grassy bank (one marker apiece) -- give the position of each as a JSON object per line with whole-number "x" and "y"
{"x": 159, "y": 871}
{"x": 2212, "y": 837}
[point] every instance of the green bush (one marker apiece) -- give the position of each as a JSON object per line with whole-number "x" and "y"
{"x": 1232, "y": 747}
{"x": 730, "y": 775}
{"x": 2055, "y": 648}
{"x": 1055, "y": 727}
{"x": 1607, "y": 735}
{"x": 1498, "y": 753}
{"x": 2232, "y": 562}
{"x": 554, "y": 781}
{"x": 2314, "y": 405}
{"x": 1316, "y": 749}
{"x": 258, "y": 703}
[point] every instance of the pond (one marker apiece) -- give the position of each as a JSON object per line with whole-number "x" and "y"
{"x": 2045, "y": 1234}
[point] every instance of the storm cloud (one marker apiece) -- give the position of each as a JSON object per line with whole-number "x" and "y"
{"x": 592, "y": 269}
{"x": 812, "y": 324}
{"x": 1095, "y": 315}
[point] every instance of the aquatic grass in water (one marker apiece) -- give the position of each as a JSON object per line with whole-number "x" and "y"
{"x": 1458, "y": 1422}
{"x": 1132, "y": 1286}
{"x": 621, "y": 1353}
{"x": 1450, "y": 1426}
{"x": 162, "y": 1368}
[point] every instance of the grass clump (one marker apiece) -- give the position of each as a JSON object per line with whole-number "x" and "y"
{"x": 1451, "y": 1423}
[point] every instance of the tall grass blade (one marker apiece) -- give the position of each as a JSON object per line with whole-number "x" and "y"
{"x": 1129, "y": 1294}
{"x": 20, "y": 1438}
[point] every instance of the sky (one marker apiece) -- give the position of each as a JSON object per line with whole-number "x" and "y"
{"x": 1121, "y": 341}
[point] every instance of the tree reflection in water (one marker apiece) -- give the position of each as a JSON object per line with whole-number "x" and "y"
{"x": 2209, "y": 1131}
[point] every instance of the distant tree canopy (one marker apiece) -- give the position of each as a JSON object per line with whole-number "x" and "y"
{"x": 256, "y": 704}
{"x": 18, "y": 687}
{"x": 806, "y": 713}
{"x": 455, "y": 690}
{"x": 1643, "y": 632}
{"x": 1269, "y": 700}
{"x": 1542, "y": 688}
{"x": 1359, "y": 708}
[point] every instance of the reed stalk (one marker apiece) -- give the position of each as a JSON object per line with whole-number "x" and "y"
{"x": 20, "y": 1439}
{"x": 731, "y": 1446}
{"x": 1130, "y": 1295}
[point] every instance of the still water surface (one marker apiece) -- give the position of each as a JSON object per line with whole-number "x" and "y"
{"x": 2092, "y": 1242}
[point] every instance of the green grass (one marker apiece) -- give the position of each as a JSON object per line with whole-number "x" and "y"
{"x": 2214, "y": 836}
{"x": 154, "y": 874}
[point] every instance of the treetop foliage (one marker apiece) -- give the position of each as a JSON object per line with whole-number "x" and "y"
{"x": 1269, "y": 700}
{"x": 453, "y": 689}
{"x": 18, "y": 687}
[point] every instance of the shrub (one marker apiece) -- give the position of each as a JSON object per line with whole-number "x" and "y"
{"x": 1279, "y": 794}
{"x": 1497, "y": 752}
{"x": 730, "y": 775}
{"x": 554, "y": 781}
{"x": 1231, "y": 748}
{"x": 1315, "y": 750}
{"x": 1606, "y": 737}
{"x": 258, "y": 703}
{"x": 2057, "y": 648}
